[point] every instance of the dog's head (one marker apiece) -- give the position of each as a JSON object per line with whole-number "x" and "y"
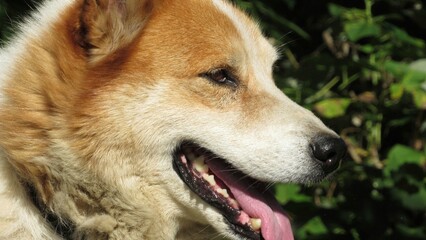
{"x": 177, "y": 99}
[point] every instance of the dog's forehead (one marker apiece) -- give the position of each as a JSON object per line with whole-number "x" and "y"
{"x": 257, "y": 48}
{"x": 205, "y": 34}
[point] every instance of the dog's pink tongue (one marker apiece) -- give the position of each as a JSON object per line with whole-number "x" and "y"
{"x": 275, "y": 223}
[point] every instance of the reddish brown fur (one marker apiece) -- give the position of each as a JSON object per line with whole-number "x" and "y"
{"x": 70, "y": 91}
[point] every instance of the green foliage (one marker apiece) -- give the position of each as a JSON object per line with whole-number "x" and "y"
{"x": 314, "y": 226}
{"x": 409, "y": 156}
{"x": 333, "y": 107}
{"x": 361, "y": 66}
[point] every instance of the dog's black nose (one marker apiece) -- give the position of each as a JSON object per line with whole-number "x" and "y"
{"x": 328, "y": 151}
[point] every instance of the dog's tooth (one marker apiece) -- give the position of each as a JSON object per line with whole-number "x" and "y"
{"x": 209, "y": 179}
{"x": 224, "y": 192}
{"x": 200, "y": 166}
{"x": 234, "y": 204}
{"x": 255, "y": 223}
{"x": 243, "y": 218}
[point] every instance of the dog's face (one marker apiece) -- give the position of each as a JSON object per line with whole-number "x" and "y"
{"x": 178, "y": 99}
{"x": 198, "y": 103}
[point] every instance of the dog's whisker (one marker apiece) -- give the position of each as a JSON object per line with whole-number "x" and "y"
{"x": 203, "y": 229}
{"x": 253, "y": 184}
{"x": 219, "y": 235}
{"x": 230, "y": 170}
{"x": 268, "y": 187}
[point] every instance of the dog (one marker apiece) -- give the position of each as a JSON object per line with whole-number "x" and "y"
{"x": 149, "y": 119}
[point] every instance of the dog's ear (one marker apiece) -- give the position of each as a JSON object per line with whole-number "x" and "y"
{"x": 109, "y": 25}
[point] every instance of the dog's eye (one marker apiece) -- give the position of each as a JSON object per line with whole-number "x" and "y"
{"x": 221, "y": 76}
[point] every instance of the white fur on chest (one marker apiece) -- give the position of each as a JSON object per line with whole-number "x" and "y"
{"x": 19, "y": 218}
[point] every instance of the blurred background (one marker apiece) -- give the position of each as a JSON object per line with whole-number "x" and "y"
{"x": 360, "y": 65}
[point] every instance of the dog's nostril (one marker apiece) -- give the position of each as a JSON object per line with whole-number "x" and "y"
{"x": 329, "y": 151}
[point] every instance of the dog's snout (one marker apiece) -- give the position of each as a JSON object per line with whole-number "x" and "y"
{"x": 329, "y": 151}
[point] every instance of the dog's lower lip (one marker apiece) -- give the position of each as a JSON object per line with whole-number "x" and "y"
{"x": 237, "y": 219}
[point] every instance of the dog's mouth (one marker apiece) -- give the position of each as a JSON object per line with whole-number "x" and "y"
{"x": 249, "y": 208}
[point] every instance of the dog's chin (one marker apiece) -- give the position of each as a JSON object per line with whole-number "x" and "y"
{"x": 248, "y": 209}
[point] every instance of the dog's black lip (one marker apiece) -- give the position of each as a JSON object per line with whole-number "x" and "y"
{"x": 199, "y": 187}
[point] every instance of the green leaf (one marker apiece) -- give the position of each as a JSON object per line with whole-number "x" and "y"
{"x": 411, "y": 232}
{"x": 400, "y": 155}
{"x": 415, "y": 201}
{"x": 396, "y": 91}
{"x": 290, "y": 193}
{"x": 336, "y": 10}
{"x": 367, "y": 48}
{"x": 348, "y": 14}
{"x": 332, "y": 108}
{"x": 419, "y": 98}
{"x": 315, "y": 227}
{"x": 416, "y": 70}
{"x": 404, "y": 37}
{"x": 413, "y": 79}
{"x": 361, "y": 29}
{"x": 396, "y": 68}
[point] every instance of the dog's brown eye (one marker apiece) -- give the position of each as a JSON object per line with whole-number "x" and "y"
{"x": 221, "y": 76}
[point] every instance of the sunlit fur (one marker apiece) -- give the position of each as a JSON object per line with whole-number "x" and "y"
{"x": 95, "y": 99}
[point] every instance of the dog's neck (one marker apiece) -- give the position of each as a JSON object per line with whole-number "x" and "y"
{"x": 83, "y": 209}
{"x": 77, "y": 211}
